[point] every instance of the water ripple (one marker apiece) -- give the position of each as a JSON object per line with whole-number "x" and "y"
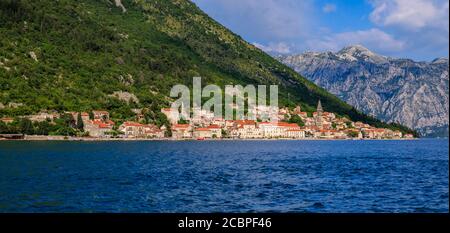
{"x": 225, "y": 176}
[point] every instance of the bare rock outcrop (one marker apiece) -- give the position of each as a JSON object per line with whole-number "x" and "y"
{"x": 415, "y": 94}
{"x": 119, "y": 4}
{"x": 33, "y": 56}
{"x": 127, "y": 80}
{"x": 125, "y": 96}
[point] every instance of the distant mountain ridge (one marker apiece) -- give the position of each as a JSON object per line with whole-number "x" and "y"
{"x": 415, "y": 94}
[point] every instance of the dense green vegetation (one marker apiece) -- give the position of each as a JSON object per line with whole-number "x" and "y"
{"x": 297, "y": 120}
{"x": 352, "y": 134}
{"x": 88, "y": 49}
{"x": 64, "y": 126}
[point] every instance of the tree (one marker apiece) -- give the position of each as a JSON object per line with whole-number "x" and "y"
{"x": 80, "y": 124}
{"x": 296, "y": 119}
{"x": 353, "y": 134}
{"x": 349, "y": 124}
{"x": 168, "y": 132}
{"x": 161, "y": 119}
{"x": 183, "y": 121}
{"x": 224, "y": 133}
{"x": 26, "y": 126}
{"x": 43, "y": 128}
{"x": 68, "y": 120}
{"x": 66, "y": 131}
{"x": 4, "y": 127}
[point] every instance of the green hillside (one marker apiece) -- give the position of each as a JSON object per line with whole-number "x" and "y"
{"x": 87, "y": 49}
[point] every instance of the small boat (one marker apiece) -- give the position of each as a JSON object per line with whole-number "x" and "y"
{"x": 200, "y": 139}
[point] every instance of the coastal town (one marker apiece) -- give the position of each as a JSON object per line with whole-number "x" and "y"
{"x": 289, "y": 124}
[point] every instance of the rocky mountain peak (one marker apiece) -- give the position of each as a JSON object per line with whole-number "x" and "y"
{"x": 441, "y": 60}
{"x": 359, "y": 52}
{"x": 355, "y": 49}
{"x": 412, "y": 93}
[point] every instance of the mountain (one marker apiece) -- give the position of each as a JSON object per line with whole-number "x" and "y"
{"x": 69, "y": 55}
{"x": 415, "y": 94}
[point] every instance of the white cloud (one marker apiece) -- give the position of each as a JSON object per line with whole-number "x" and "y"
{"x": 415, "y": 29}
{"x": 281, "y": 47}
{"x": 422, "y": 24}
{"x": 328, "y": 8}
{"x": 271, "y": 20}
{"x": 411, "y": 14}
{"x": 374, "y": 39}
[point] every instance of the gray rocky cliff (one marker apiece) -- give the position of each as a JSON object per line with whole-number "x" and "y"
{"x": 415, "y": 94}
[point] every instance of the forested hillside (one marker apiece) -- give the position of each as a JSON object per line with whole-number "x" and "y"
{"x": 71, "y": 55}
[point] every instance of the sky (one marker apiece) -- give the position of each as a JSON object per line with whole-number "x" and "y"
{"x": 415, "y": 29}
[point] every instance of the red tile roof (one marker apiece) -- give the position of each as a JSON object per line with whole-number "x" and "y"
{"x": 245, "y": 122}
{"x": 102, "y": 124}
{"x": 202, "y": 129}
{"x": 180, "y": 126}
{"x": 285, "y": 124}
{"x": 134, "y": 124}
{"x": 213, "y": 127}
{"x": 281, "y": 124}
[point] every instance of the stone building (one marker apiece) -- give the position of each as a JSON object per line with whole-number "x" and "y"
{"x": 180, "y": 131}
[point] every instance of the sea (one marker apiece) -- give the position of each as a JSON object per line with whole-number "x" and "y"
{"x": 285, "y": 176}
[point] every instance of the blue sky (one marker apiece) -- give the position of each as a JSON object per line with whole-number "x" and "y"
{"x": 416, "y": 29}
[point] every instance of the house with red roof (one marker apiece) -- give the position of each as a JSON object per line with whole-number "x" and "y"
{"x": 374, "y": 133}
{"x": 7, "y": 120}
{"x": 278, "y": 129}
{"x": 180, "y": 131}
{"x": 98, "y": 128}
{"x": 172, "y": 115}
{"x": 246, "y": 129}
{"x": 100, "y": 115}
{"x": 202, "y": 133}
{"x": 295, "y": 133}
{"x": 216, "y": 130}
{"x": 132, "y": 129}
{"x": 43, "y": 116}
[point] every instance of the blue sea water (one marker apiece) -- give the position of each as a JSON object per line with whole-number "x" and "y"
{"x": 225, "y": 176}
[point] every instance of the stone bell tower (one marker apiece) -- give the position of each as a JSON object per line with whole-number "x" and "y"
{"x": 319, "y": 118}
